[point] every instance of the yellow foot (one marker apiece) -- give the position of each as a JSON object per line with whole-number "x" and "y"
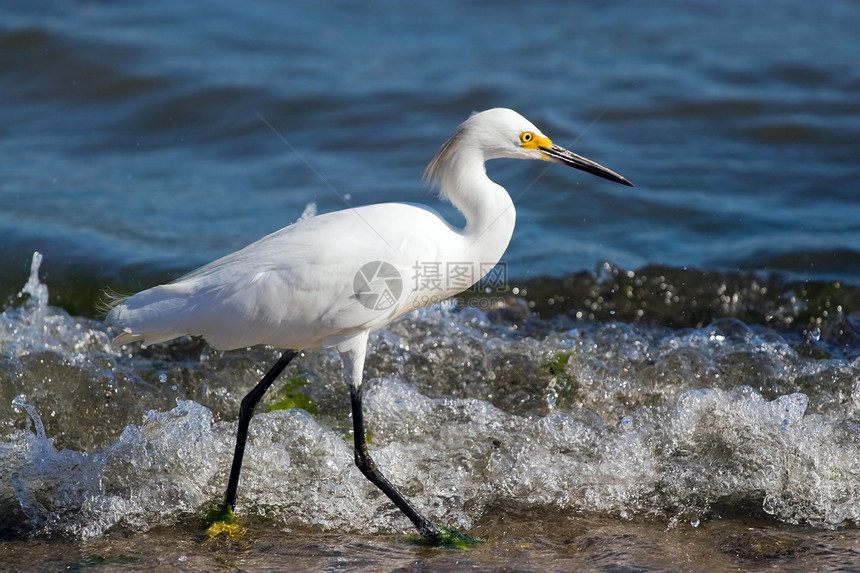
{"x": 231, "y": 530}
{"x": 457, "y": 540}
{"x": 221, "y": 520}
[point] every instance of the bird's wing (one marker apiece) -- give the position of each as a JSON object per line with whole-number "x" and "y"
{"x": 296, "y": 288}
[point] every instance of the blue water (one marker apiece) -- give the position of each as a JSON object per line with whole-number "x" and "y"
{"x": 695, "y": 404}
{"x": 136, "y": 137}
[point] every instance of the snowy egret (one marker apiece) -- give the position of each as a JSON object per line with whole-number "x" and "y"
{"x": 330, "y": 280}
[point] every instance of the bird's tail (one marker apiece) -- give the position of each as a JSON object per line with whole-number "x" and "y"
{"x": 109, "y": 300}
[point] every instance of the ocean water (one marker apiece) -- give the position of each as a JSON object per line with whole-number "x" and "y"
{"x": 672, "y": 366}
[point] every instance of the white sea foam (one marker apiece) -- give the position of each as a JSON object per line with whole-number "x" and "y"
{"x": 467, "y": 414}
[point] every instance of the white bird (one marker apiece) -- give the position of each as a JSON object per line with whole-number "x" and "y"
{"x": 331, "y": 280}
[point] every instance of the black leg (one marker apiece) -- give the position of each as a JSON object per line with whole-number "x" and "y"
{"x": 246, "y": 411}
{"x": 368, "y": 467}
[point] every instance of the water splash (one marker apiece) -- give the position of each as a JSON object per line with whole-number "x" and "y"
{"x": 20, "y": 401}
{"x": 309, "y": 211}
{"x": 520, "y": 413}
{"x": 37, "y": 291}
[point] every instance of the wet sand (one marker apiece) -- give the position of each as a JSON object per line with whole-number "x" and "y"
{"x": 527, "y": 543}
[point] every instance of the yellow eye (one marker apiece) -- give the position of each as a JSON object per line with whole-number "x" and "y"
{"x": 532, "y": 140}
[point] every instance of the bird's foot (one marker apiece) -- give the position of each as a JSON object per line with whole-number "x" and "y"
{"x": 455, "y": 539}
{"x": 221, "y": 519}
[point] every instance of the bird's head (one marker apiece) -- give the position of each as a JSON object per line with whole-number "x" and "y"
{"x": 501, "y": 132}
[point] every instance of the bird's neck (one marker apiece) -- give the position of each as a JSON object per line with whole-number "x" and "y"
{"x": 487, "y": 207}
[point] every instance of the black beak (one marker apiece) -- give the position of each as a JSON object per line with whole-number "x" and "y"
{"x": 561, "y": 155}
